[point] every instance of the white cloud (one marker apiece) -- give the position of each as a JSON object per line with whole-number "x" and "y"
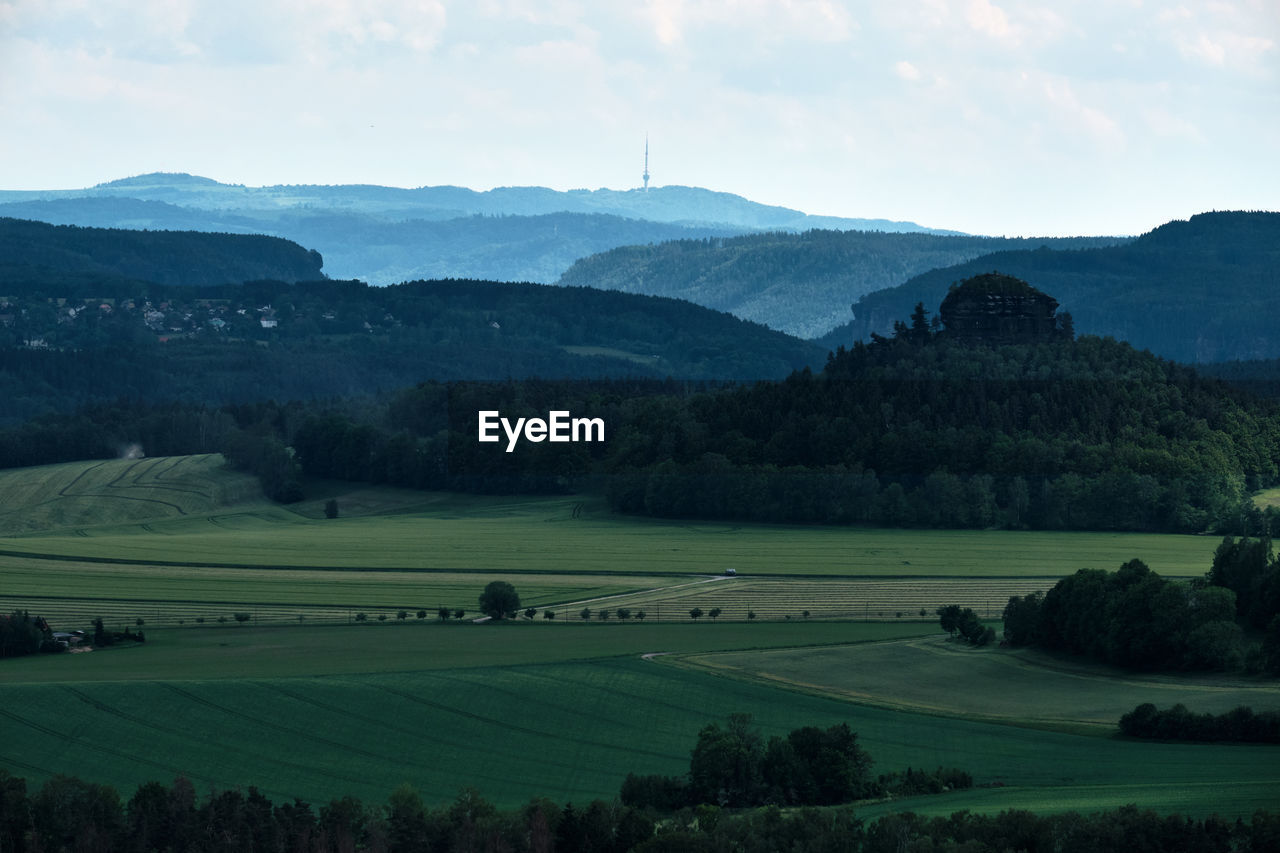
{"x": 1166, "y": 125}
{"x": 1103, "y": 129}
{"x": 906, "y": 70}
{"x": 988, "y": 18}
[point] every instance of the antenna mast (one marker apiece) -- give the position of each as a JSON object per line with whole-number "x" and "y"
{"x": 646, "y": 162}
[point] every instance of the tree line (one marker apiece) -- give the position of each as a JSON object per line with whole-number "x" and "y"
{"x": 67, "y": 813}
{"x": 733, "y": 766}
{"x": 1137, "y": 619}
{"x": 1239, "y": 725}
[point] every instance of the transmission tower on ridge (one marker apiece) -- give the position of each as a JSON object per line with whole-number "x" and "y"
{"x": 646, "y": 163}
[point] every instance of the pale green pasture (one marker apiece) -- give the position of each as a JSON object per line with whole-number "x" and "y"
{"x": 1013, "y": 686}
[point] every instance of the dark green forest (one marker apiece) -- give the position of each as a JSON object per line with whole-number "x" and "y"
{"x": 1202, "y": 290}
{"x": 927, "y": 427}
{"x": 74, "y": 340}
{"x": 1136, "y": 619}
{"x": 31, "y": 251}
{"x": 923, "y": 429}
{"x": 799, "y": 283}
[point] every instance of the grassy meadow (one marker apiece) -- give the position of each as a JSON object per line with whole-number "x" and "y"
{"x": 416, "y": 531}
{"x": 1033, "y": 688}
{"x": 302, "y": 706}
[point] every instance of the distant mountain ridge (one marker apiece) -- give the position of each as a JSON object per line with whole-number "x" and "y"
{"x": 801, "y": 284}
{"x": 1202, "y": 290}
{"x": 385, "y": 235}
{"x": 671, "y": 204}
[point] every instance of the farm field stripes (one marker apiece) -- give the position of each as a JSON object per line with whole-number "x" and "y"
{"x": 569, "y": 731}
{"x": 167, "y": 596}
{"x": 862, "y": 599}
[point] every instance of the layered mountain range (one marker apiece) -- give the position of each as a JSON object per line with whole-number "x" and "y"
{"x": 385, "y": 235}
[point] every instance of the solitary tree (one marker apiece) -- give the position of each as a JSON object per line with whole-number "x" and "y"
{"x": 695, "y": 613}
{"x": 585, "y": 614}
{"x": 240, "y": 617}
{"x": 640, "y": 614}
{"x": 403, "y": 614}
{"x": 459, "y": 613}
{"x": 443, "y": 613}
{"x": 624, "y": 612}
{"x": 949, "y": 618}
{"x": 499, "y": 600}
{"x": 713, "y": 613}
{"x": 530, "y": 612}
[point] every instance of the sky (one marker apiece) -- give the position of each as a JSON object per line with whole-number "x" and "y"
{"x": 986, "y": 116}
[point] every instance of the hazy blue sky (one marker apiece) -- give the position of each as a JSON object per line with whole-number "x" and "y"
{"x": 989, "y": 116}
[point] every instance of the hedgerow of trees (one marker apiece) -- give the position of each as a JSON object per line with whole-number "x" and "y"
{"x": 66, "y": 813}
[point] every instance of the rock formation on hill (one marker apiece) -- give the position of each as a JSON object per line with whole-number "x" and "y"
{"x": 998, "y": 309}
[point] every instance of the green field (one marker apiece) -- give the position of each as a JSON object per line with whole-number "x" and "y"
{"x": 234, "y": 651}
{"x": 511, "y": 535}
{"x": 1023, "y": 687}
{"x": 179, "y": 539}
{"x": 561, "y": 708}
{"x": 518, "y": 718}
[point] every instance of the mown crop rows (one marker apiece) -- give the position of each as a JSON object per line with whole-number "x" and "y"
{"x": 270, "y": 597}
{"x": 857, "y": 598}
{"x": 119, "y": 491}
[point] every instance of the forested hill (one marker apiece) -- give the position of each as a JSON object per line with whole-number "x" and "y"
{"x": 801, "y": 284}
{"x": 926, "y": 429}
{"x": 1202, "y": 290}
{"x": 66, "y": 343}
{"x": 31, "y": 251}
